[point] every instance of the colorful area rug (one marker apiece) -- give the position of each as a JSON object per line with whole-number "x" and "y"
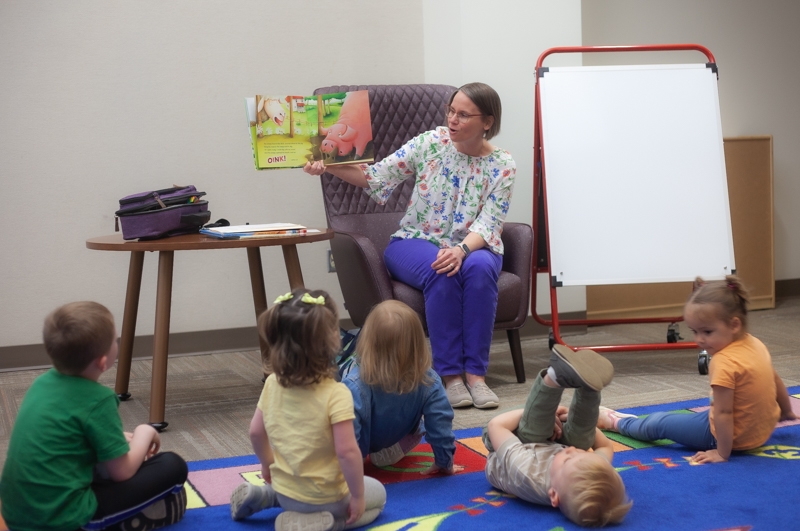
{"x": 754, "y": 490}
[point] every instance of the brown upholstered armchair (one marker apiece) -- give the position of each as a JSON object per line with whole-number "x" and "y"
{"x": 363, "y": 227}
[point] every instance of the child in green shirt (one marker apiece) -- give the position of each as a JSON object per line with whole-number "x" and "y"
{"x": 69, "y": 464}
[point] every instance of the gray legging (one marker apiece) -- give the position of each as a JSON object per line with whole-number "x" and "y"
{"x": 374, "y": 494}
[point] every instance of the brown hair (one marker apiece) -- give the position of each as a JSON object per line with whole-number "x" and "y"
{"x": 486, "y": 100}
{"x": 76, "y": 334}
{"x": 729, "y": 297}
{"x": 303, "y": 338}
{"x": 392, "y": 350}
{"x": 597, "y": 495}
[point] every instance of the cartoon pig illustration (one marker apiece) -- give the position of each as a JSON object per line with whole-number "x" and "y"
{"x": 273, "y": 109}
{"x": 337, "y": 140}
{"x": 352, "y": 128}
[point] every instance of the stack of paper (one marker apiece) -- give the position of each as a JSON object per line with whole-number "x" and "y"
{"x": 267, "y": 230}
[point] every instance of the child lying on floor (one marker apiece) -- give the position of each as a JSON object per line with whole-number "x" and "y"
{"x": 547, "y": 466}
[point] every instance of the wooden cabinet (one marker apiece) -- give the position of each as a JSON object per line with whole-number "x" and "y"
{"x": 748, "y": 162}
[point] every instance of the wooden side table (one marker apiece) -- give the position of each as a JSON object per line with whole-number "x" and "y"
{"x": 166, "y": 248}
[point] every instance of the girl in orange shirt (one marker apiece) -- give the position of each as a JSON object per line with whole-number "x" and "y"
{"x": 747, "y": 396}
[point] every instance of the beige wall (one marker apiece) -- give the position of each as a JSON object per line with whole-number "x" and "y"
{"x": 756, "y": 46}
{"x": 103, "y": 99}
{"x": 99, "y": 100}
{"x": 498, "y": 43}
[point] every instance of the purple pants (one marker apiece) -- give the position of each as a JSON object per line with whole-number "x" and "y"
{"x": 459, "y": 310}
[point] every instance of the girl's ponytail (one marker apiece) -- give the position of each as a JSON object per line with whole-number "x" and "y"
{"x": 301, "y": 331}
{"x": 729, "y": 295}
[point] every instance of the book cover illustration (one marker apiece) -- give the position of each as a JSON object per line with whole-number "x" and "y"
{"x": 288, "y": 131}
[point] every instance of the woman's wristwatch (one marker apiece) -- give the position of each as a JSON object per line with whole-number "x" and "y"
{"x": 463, "y": 247}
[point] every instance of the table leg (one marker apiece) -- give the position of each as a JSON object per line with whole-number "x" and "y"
{"x": 158, "y": 384}
{"x": 129, "y": 325}
{"x": 292, "y": 261}
{"x": 259, "y": 299}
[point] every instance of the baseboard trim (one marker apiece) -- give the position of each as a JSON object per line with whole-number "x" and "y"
{"x": 25, "y": 357}
{"x": 180, "y": 344}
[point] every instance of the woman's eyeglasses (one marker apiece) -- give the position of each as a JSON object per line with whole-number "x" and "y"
{"x": 462, "y": 116}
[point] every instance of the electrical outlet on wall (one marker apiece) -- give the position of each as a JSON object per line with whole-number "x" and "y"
{"x": 331, "y": 264}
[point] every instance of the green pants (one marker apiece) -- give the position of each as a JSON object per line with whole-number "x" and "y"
{"x": 538, "y": 418}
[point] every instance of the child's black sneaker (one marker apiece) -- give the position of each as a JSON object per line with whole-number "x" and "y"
{"x": 582, "y": 368}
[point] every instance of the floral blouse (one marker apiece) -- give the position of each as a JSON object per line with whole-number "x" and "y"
{"x": 454, "y": 193}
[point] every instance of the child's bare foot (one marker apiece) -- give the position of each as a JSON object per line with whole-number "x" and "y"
{"x": 608, "y": 418}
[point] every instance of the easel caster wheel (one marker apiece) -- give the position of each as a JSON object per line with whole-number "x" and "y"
{"x": 702, "y": 363}
{"x": 551, "y": 340}
{"x": 123, "y": 396}
{"x": 159, "y": 426}
{"x": 672, "y": 337}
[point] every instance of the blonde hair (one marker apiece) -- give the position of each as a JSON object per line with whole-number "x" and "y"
{"x": 392, "y": 352}
{"x": 76, "y": 334}
{"x": 302, "y": 337}
{"x": 596, "y": 495}
{"x": 729, "y": 297}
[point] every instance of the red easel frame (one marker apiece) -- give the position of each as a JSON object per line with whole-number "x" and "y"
{"x": 540, "y": 193}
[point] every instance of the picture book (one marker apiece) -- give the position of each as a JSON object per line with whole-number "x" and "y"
{"x": 265, "y": 230}
{"x": 288, "y": 131}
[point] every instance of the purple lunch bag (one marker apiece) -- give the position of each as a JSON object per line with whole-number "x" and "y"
{"x": 162, "y": 213}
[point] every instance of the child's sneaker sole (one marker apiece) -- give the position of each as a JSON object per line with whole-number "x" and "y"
{"x": 293, "y": 521}
{"x": 245, "y": 501}
{"x": 387, "y": 456}
{"x": 393, "y": 454}
{"x": 581, "y": 368}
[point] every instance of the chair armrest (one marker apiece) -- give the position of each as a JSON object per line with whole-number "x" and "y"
{"x": 518, "y": 249}
{"x": 518, "y": 255}
{"x": 362, "y": 274}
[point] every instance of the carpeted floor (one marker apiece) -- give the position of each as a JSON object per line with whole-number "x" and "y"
{"x": 211, "y": 398}
{"x": 754, "y": 490}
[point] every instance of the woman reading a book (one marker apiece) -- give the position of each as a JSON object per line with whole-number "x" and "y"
{"x": 448, "y": 244}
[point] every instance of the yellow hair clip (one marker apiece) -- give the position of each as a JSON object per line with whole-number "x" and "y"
{"x": 284, "y": 298}
{"x": 308, "y": 299}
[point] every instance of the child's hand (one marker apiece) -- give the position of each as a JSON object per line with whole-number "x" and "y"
{"x": 558, "y": 427}
{"x": 789, "y": 415}
{"x": 710, "y": 456}
{"x": 155, "y": 446}
{"x": 356, "y": 509}
{"x": 434, "y": 468}
{"x": 266, "y": 475}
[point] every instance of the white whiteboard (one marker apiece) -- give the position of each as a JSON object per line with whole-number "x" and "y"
{"x": 636, "y": 189}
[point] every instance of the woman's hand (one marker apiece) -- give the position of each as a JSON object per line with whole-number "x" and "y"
{"x": 314, "y": 168}
{"x": 448, "y": 261}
